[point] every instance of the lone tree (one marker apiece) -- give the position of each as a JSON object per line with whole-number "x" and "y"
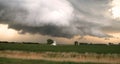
{"x": 76, "y": 43}
{"x": 49, "y": 41}
{"x": 110, "y": 43}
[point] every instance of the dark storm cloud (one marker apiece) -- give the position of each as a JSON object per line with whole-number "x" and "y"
{"x": 44, "y": 30}
{"x": 114, "y": 28}
{"x": 59, "y": 18}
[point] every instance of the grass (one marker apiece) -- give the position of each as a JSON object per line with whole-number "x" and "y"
{"x": 21, "y": 61}
{"x": 61, "y": 48}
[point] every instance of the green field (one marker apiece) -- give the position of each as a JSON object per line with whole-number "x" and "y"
{"x": 61, "y": 48}
{"x": 21, "y": 61}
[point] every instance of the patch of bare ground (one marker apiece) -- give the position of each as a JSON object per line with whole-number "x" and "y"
{"x": 62, "y": 56}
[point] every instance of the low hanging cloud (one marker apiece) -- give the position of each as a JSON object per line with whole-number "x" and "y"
{"x": 59, "y": 18}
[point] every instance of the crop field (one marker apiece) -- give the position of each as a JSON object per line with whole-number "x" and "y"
{"x": 17, "y": 53}
{"x": 100, "y": 49}
{"x": 21, "y": 61}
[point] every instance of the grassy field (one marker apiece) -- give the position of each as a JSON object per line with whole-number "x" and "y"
{"x": 104, "y": 49}
{"x": 21, "y": 61}
{"x": 100, "y": 49}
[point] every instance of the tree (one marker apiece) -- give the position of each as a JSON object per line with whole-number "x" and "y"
{"x": 49, "y": 41}
{"x": 76, "y": 43}
{"x": 110, "y": 43}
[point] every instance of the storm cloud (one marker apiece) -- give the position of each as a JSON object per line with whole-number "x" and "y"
{"x": 58, "y": 18}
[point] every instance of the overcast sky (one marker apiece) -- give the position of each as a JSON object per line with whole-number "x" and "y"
{"x": 65, "y": 21}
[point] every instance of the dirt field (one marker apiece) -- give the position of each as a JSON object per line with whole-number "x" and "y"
{"x": 61, "y": 56}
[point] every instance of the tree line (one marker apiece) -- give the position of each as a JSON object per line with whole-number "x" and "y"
{"x": 76, "y": 43}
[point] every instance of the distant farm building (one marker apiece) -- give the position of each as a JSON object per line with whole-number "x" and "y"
{"x": 54, "y": 43}
{"x": 83, "y": 43}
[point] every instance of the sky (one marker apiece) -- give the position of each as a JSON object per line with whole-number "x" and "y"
{"x": 66, "y": 21}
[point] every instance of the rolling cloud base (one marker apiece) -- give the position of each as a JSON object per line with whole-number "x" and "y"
{"x": 59, "y": 18}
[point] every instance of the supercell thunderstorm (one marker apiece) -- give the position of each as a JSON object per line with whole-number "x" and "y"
{"x": 59, "y": 18}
